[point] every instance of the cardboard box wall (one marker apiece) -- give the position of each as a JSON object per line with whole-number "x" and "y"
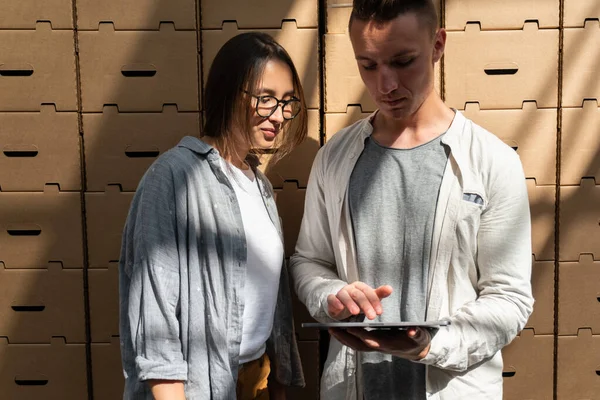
{"x": 24, "y": 14}
{"x": 138, "y": 70}
{"x": 103, "y": 289}
{"x": 39, "y": 148}
{"x": 581, "y": 64}
{"x": 542, "y": 207}
{"x": 107, "y": 371}
{"x": 579, "y": 215}
{"x": 38, "y": 304}
{"x": 119, "y": 147}
{"x": 501, "y": 69}
{"x": 136, "y": 14}
{"x": 577, "y": 11}
{"x": 578, "y": 374}
{"x": 579, "y": 296}
{"x": 43, "y": 371}
{"x": 580, "y": 149}
{"x": 528, "y": 371}
{"x": 37, "y": 67}
{"x": 501, "y": 14}
{"x": 106, "y": 213}
{"x": 254, "y": 14}
{"x": 41, "y": 227}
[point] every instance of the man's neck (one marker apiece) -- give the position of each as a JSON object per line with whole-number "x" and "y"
{"x": 431, "y": 120}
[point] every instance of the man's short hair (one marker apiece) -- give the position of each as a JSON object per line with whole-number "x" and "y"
{"x": 387, "y": 10}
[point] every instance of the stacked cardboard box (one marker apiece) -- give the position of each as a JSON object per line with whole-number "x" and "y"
{"x": 42, "y": 319}
{"x": 579, "y": 252}
{"x": 501, "y": 70}
{"x": 140, "y": 94}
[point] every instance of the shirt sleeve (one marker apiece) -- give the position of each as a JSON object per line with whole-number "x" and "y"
{"x": 481, "y": 328}
{"x": 312, "y": 266}
{"x": 151, "y": 283}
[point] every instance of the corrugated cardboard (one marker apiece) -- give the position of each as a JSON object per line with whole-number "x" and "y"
{"x": 296, "y": 165}
{"x": 103, "y": 287}
{"x": 579, "y": 296}
{"x": 24, "y": 14}
{"x": 542, "y": 203}
{"x": 343, "y": 85}
{"x": 581, "y": 66}
{"x": 119, "y": 147}
{"x": 301, "y": 44}
{"x": 37, "y": 66}
{"x": 106, "y": 214}
{"x": 36, "y": 228}
{"x": 338, "y": 15}
{"x": 136, "y": 14}
{"x": 529, "y": 367}
{"x": 43, "y": 371}
{"x": 501, "y": 69}
{"x": 501, "y": 14}
{"x": 290, "y": 204}
{"x": 542, "y": 283}
{"x": 577, "y": 11}
{"x": 138, "y": 70}
{"x": 107, "y": 370}
{"x": 579, "y": 215}
{"x": 580, "y": 150}
{"x": 309, "y": 353}
{"x": 37, "y": 304}
{"x": 39, "y": 148}
{"x": 336, "y": 121}
{"x": 530, "y": 131}
{"x": 259, "y": 14}
{"x": 578, "y": 366}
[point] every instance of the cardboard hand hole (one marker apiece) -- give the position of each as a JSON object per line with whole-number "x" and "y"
{"x": 501, "y": 69}
{"x": 20, "y": 154}
{"x": 138, "y": 71}
{"x": 28, "y": 308}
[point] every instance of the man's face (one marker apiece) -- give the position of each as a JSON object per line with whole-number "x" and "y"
{"x": 396, "y": 62}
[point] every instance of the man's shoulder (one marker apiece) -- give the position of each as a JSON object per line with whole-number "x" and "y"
{"x": 486, "y": 143}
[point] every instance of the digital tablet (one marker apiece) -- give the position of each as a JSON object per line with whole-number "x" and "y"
{"x": 377, "y": 325}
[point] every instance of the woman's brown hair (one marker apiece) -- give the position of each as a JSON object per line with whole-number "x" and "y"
{"x": 236, "y": 70}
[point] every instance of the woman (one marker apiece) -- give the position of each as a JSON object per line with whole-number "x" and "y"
{"x": 205, "y": 301}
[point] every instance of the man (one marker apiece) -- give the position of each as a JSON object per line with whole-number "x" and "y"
{"x": 414, "y": 214}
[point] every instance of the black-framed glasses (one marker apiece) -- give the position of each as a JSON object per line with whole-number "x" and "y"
{"x": 267, "y": 105}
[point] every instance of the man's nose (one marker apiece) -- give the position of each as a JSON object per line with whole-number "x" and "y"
{"x": 387, "y": 81}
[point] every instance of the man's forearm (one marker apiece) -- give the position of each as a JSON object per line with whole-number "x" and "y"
{"x": 167, "y": 390}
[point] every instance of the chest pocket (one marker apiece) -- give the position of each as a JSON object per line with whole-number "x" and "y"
{"x": 471, "y": 207}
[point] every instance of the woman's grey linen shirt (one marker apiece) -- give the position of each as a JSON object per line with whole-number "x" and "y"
{"x": 181, "y": 280}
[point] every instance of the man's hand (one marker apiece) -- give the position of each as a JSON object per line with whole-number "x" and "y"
{"x": 411, "y": 344}
{"x": 355, "y": 298}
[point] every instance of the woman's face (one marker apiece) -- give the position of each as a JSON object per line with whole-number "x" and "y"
{"x": 276, "y": 81}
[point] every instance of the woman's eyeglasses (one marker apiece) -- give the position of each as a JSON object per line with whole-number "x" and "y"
{"x": 267, "y": 105}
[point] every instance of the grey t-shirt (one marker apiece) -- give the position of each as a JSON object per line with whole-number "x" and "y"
{"x": 393, "y": 196}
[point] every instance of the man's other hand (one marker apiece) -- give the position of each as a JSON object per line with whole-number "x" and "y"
{"x": 411, "y": 344}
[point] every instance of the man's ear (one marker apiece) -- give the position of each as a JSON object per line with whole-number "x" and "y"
{"x": 439, "y": 44}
